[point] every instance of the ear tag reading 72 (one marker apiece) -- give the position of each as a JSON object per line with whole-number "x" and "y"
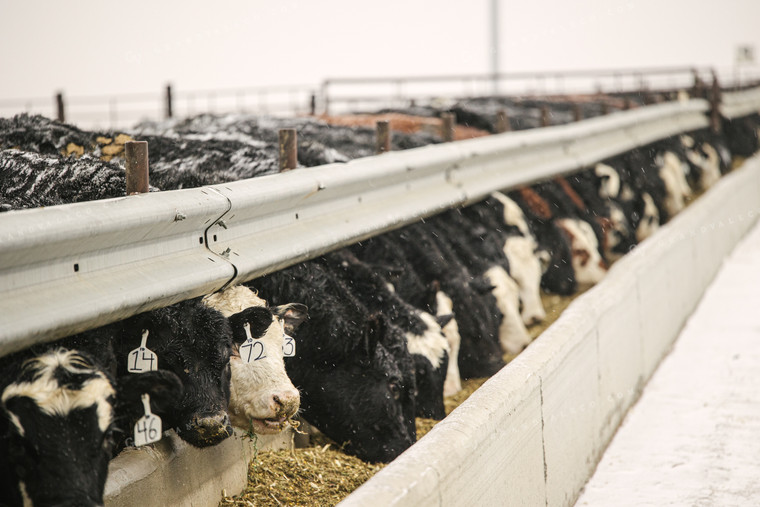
{"x": 251, "y": 350}
{"x": 142, "y": 359}
{"x": 148, "y": 427}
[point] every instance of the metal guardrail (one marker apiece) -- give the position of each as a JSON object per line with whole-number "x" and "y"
{"x": 69, "y": 268}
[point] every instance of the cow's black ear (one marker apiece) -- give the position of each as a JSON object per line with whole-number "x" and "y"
{"x": 292, "y": 314}
{"x": 481, "y": 285}
{"x": 375, "y": 329}
{"x": 164, "y": 387}
{"x": 444, "y": 319}
{"x": 259, "y": 318}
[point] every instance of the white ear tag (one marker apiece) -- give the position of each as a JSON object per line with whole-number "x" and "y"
{"x": 251, "y": 350}
{"x": 288, "y": 344}
{"x": 148, "y": 427}
{"x": 142, "y": 359}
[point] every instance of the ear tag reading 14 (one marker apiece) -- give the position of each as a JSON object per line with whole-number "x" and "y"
{"x": 251, "y": 350}
{"x": 148, "y": 427}
{"x": 142, "y": 359}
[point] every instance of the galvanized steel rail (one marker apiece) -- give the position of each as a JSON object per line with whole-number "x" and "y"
{"x": 69, "y": 268}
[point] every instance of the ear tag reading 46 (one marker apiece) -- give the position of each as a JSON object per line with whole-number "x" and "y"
{"x": 148, "y": 427}
{"x": 142, "y": 359}
{"x": 251, "y": 350}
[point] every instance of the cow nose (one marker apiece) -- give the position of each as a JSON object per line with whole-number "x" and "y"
{"x": 208, "y": 429}
{"x": 286, "y": 403}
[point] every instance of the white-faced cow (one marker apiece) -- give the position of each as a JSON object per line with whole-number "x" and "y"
{"x": 262, "y": 397}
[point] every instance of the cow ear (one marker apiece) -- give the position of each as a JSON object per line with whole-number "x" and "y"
{"x": 444, "y": 319}
{"x": 292, "y": 314}
{"x": 481, "y": 285}
{"x": 258, "y": 317}
{"x": 164, "y": 387}
{"x": 374, "y": 330}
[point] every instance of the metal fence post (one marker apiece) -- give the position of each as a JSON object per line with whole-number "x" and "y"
{"x": 136, "y": 155}
{"x": 383, "y": 136}
{"x": 61, "y": 110}
{"x": 288, "y": 141}
{"x": 448, "y": 120}
{"x": 545, "y": 116}
{"x": 502, "y": 121}
{"x": 168, "y": 109}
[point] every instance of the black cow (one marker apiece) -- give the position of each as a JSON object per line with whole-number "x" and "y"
{"x": 424, "y": 337}
{"x": 60, "y": 409}
{"x": 194, "y": 342}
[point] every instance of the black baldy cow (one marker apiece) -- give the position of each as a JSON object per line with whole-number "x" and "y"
{"x": 262, "y": 397}
{"x": 56, "y": 427}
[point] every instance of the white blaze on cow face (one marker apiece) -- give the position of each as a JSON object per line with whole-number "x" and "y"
{"x": 525, "y": 268}
{"x": 650, "y": 219}
{"x": 432, "y": 343}
{"x": 262, "y": 395}
{"x": 673, "y": 176}
{"x": 588, "y": 264}
{"x": 513, "y": 336}
{"x": 620, "y": 229}
{"x": 59, "y": 400}
{"x": 710, "y": 166}
{"x": 609, "y": 181}
{"x": 513, "y": 215}
{"x": 453, "y": 382}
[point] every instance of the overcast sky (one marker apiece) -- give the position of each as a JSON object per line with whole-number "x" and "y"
{"x": 90, "y": 47}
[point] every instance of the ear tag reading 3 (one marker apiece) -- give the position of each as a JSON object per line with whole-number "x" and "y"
{"x": 251, "y": 350}
{"x": 142, "y": 359}
{"x": 288, "y": 344}
{"x": 148, "y": 428}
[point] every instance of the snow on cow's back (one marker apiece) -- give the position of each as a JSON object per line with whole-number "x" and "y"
{"x": 262, "y": 396}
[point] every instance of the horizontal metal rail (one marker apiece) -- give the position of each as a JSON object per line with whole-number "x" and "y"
{"x": 65, "y": 269}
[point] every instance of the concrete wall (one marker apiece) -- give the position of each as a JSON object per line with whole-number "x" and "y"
{"x": 173, "y": 473}
{"x": 534, "y": 432}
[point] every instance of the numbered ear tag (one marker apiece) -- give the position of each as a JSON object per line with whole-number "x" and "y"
{"x": 148, "y": 427}
{"x": 142, "y": 359}
{"x": 251, "y": 350}
{"x": 289, "y": 346}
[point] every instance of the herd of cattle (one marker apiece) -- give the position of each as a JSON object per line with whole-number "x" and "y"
{"x": 359, "y": 341}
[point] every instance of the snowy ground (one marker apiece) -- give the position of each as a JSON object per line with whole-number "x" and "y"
{"x": 693, "y": 439}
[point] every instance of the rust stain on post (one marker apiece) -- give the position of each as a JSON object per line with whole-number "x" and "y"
{"x": 502, "y": 122}
{"x": 288, "y": 149}
{"x": 383, "y": 136}
{"x": 448, "y": 120}
{"x": 136, "y": 155}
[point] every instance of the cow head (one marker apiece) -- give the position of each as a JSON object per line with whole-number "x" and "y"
{"x": 57, "y": 431}
{"x": 367, "y": 401}
{"x": 430, "y": 351}
{"x": 195, "y": 343}
{"x": 588, "y": 265}
{"x": 262, "y": 397}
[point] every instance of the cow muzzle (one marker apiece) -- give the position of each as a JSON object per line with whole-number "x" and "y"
{"x": 205, "y": 430}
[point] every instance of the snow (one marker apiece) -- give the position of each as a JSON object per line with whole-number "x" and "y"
{"x": 694, "y": 436}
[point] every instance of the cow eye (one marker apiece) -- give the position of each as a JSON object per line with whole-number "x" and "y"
{"x": 395, "y": 390}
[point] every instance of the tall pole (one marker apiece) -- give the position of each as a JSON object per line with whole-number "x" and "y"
{"x": 495, "y": 45}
